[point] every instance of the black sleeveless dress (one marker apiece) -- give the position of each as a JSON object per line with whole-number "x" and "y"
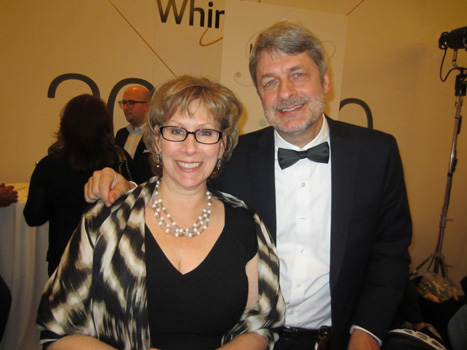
{"x": 194, "y": 310}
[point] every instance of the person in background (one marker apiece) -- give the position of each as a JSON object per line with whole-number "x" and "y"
{"x": 8, "y": 195}
{"x": 135, "y": 104}
{"x": 332, "y": 194}
{"x": 457, "y": 329}
{"x": 172, "y": 265}
{"x": 410, "y": 316}
{"x": 457, "y": 324}
{"x": 5, "y": 305}
{"x": 84, "y": 144}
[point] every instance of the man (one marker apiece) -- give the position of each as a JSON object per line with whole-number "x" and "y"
{"x": 341, "y": 223}
{"x": 5, "y": 305}
{"x": 135, "y": 105}
{"x": 8, "y": 195}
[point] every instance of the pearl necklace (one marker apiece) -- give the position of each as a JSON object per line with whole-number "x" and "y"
{"x": 171, "y": 227}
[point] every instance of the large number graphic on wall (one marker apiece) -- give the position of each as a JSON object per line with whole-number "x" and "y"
{"x": 95, "y": 89}
{"x": 116, "y": 89}
{"x": 364, "y": 105}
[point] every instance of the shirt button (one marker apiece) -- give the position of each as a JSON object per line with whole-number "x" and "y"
{"x": 302, "y": 251}
{"x": 298, "y": 285}
{"x": 303, "y": 184}
{"x": 291, "y": 312}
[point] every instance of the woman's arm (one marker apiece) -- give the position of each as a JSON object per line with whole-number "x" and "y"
{"x": 252, "y": 275}
{"x": 37, "y": 209}
{"x": 79, "y": 342}
{"x": 67, "y": 292}
{"x": 247, "y": 341}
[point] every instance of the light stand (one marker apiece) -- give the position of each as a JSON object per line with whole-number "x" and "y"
{"x": 436, "y": 259}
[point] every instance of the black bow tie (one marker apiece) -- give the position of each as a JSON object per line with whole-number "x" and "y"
{"x": 319, "y": 154}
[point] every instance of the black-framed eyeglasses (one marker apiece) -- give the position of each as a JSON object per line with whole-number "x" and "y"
{"x": 179, "y": 134}
{"x": 129, "y": 103}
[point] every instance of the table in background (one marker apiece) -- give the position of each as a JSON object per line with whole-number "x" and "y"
{"x": 23, "y": 266}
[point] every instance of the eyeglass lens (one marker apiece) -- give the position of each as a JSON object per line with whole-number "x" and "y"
{"x": 129, "y": 103}
{"x": 179, "y": 134}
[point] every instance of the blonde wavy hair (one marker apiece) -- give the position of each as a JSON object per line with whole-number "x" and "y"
{"x": 177, "y": 94}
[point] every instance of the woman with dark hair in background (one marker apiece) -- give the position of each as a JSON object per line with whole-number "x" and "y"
{"x": 85, "y": 143}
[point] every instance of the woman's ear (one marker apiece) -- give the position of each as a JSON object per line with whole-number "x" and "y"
{"x": 157, "y": 139}
{"x": 223, "y": 146}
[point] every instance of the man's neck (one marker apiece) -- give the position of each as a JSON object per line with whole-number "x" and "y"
{"x": 305, "y": 137}
{"x": 133, "y": 126}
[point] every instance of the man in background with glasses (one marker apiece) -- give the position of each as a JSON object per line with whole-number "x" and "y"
{"x": 135, "y": 105}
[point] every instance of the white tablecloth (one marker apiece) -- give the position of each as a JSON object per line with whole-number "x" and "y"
{"x": 23, "y": 266}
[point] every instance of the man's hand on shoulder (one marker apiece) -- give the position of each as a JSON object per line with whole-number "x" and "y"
{"x": 361, "y": 340}
{"x": 106, "y": 184}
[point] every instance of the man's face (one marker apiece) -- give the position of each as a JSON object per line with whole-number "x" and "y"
{"x": 292, "y": 94}
{"x": 135, "y": 115}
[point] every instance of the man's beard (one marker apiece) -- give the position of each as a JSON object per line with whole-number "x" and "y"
{"x": 315, "y": 110}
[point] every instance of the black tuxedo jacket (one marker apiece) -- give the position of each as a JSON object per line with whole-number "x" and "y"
{"x": 370, "y": 220}
{"x": 141, "y": 158}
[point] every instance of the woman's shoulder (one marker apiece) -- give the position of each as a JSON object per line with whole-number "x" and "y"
{"x": 53, "y": 158}
{"x": 51, "y": 166}
{"x": 234, "y": 204}
{"x": 131, "y": 202}
{"x": 239, "y": 206}
{"x": 229, "y": 199}
{"x": 240, "y": 224}
{"x": 125, "y": 214}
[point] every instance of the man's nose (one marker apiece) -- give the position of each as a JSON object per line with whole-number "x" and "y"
{"x": 286, "y": 89}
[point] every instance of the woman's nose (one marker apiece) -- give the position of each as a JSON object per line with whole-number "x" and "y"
{"x": 190, "y": 143}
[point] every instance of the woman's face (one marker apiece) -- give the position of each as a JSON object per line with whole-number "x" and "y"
{"x": 188, "y": 164}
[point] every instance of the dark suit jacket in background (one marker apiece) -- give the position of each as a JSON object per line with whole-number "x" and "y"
{"x": 370, "y": 220}
{"x": 142, "y": 164}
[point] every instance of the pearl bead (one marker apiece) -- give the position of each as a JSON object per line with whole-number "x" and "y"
{"x": 171, "y": 227}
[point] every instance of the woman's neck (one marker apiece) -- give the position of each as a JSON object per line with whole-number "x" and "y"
{"x": 184, "y": 205}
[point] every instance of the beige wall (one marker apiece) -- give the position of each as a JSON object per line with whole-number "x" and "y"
{"x": 391, "y": 62}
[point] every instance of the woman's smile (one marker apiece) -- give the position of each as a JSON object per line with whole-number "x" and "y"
{"x": 189, "y": 165}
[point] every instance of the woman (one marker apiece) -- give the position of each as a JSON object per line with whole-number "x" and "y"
{"x": 84, "y": 144}
{"x": 170, "y": 265}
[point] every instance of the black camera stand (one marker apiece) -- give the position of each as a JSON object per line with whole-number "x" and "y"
{"x": 436, "y": 259}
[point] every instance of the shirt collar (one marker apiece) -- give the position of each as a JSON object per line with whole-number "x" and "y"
{"x": 142, "y": 128}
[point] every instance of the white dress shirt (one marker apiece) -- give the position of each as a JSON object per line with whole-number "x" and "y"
{"x": 303, "y": 211}
{"x": 134, "y": 137}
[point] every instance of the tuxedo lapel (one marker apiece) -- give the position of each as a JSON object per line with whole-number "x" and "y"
{"x": 261, "y": 164}
{"x": 343, "y": 168}
{"x": 121, "y": 137}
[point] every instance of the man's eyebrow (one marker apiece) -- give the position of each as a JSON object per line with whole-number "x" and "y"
{"x": 295, "y": 68}
{"x": 267, "y": 75}
{"x": 289, "y": 70}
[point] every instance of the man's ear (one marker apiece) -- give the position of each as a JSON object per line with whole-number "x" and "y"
{"x": 326, "y": 82}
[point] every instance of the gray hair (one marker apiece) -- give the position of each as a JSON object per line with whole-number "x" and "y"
{"x": 289, "y": 38}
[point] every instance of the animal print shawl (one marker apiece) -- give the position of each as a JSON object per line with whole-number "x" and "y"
{"x": 99, "y": 289}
